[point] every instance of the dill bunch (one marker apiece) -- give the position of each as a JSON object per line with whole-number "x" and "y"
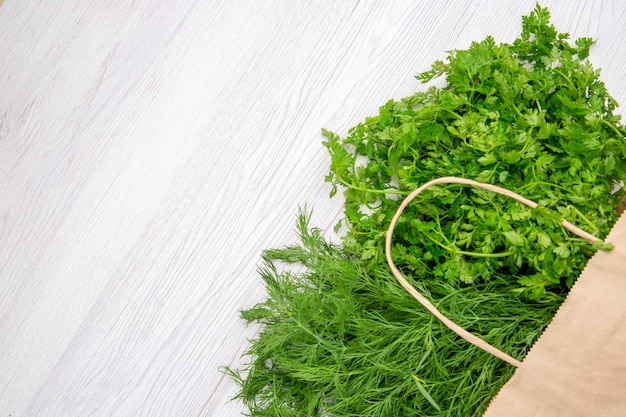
{"x": 342, "y": 339}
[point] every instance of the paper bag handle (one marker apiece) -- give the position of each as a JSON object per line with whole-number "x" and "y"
{"x": 471, "y": 338}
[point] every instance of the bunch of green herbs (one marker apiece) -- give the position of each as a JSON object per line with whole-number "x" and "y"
{"x": 345, "y": 339}
{"x": 532, "y": 117}
{"x": 340, "y": 337}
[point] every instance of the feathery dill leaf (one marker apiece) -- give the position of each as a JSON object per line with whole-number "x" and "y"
{"x": 340, "y": 339}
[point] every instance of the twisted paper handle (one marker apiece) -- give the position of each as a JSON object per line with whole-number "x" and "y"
{"x": 473, "y": 339}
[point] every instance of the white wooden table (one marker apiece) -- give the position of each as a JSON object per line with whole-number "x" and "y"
{"x": 150, "y": 150}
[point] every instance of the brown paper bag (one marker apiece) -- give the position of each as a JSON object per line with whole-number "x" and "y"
{"x": 578, "y": 366}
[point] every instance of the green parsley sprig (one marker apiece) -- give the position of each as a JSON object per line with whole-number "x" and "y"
{"x": 531, "y": 116}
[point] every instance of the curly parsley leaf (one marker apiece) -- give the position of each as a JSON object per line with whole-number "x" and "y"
{"x": 532, "y": 116}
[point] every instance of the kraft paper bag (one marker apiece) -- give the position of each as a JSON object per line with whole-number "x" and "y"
{"x": 578, "y": 365}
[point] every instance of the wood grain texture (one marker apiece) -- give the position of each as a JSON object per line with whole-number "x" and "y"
{"x": 150, "y": 150}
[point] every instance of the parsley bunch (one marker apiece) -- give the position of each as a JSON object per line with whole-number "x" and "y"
{"x": 532, "y": 117}
{"x": 341, "y": 337}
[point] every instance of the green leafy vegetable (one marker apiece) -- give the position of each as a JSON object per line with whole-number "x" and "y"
{"x": 341, "y": 337}
{"x": 532, "y": 117}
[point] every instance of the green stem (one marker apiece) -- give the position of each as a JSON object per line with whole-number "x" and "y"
{"x": 474, "y": 254}
{"x": 535, "y": 183}
{"x": 610, "y": 125}
{"x": 485, "y": 255}
{"x": 584, "y": 218}
{"x": 451, "y": 112}
{"x": 369, "y": 190}
{"x": 566, "y": 78}
{"x": 440, "y": 230}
